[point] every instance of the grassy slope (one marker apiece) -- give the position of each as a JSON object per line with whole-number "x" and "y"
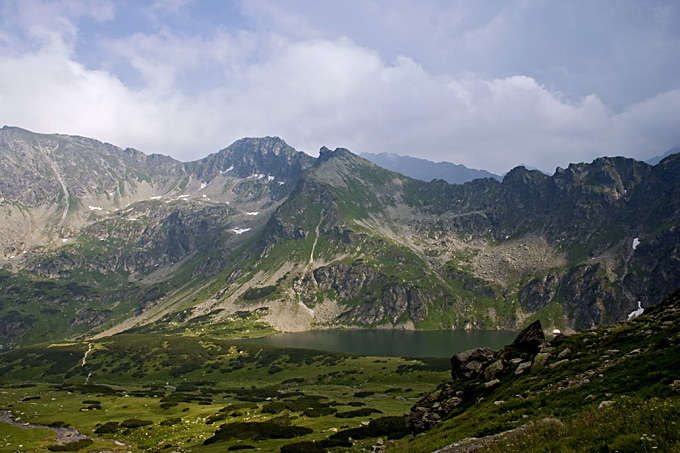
{"x": 632, "y": 364}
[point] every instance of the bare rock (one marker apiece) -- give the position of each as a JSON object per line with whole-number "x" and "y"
{"x": 493, "y": 370}
{"x": 469, "y": 363}
{"x": 531, "y": 337}
{"x": 541, "y": 359}
{"x": 522, "y": 367}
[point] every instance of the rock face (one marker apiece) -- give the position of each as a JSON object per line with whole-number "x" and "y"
{"x": 530, "y": 337}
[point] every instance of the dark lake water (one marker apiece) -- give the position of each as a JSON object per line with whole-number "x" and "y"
{"x": 392, "y": 343}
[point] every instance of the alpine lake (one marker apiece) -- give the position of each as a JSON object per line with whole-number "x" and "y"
{"x": 392, "y": 343}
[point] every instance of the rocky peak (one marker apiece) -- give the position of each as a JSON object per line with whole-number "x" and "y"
{"x": 260, "y": 157}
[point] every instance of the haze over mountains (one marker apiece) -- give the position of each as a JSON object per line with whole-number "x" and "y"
{"x": 426, "y": 170}
{"x": 97, "y": 239}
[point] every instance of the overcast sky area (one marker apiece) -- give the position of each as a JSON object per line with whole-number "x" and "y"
{"x": 487, "y": 84}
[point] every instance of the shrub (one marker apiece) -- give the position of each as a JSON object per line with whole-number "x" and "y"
{"x": 272, "y": 429}
{"x": 258, "y": 293}
{"x": 363, "y": 412}
{"x": 58, "y": 424}
{"x": 363, "y": 394}
{"x": 186, "y": 387}
{"x": 71, "y": 446}
{"x": 393, "y": 427}
{"x": 108, "y": 427}
{"x": 170, "y": 421}
{"x": 304, "y": 447}
{"x": 132, "y": 423}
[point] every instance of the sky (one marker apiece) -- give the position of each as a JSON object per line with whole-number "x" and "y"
{"x": 490, "y": 84}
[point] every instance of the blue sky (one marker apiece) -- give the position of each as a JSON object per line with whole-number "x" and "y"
{"x": 489, "y": 84}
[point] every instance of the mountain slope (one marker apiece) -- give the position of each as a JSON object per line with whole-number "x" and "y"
{"x": 125, "y": 228}
{"x": 301, "y": 243}
{"x": 611, "y": 386}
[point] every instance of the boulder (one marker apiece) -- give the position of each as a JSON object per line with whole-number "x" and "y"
{"x": 541, "y": 359}
{"x": 522, "y": 367}
{"x": 564, "y": 354}
{"x": 531, "y": 337}
{"x": 494, "y": 370}
{"x": 467, "y": 364}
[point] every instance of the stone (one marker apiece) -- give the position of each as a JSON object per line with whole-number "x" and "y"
{"x": 605, "y": 404}
{"x": 492, "y": 383}
{"x": 676, "y": 384}
{"x": 467, "y": 364}
{"x": 531, "y": 337}
{"x": 558, "y": 363}
{"x": 611, "y": 352}
{"x": 541, "y": 359}
{"x": 564, "y": 354}
{"x": 522, "y": 367}
{"x": 494, "y": 370}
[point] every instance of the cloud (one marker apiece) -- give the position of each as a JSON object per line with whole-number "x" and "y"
{"x": 196, "y": 93}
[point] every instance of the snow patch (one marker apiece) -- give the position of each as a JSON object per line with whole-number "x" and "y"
{"x": 240, "y": 230}
{"x": 635, "y": 313}
{"x": 228, "y": 169}
{"x": 281, "y": 183}
{"x": 252, "y": 213}
{"x": 11, "y": 257}
{"x": 203, "y": 185}
{"x": 95, "y": 208}
{"x": 204, "y": 196}
{"x": 636, "y": 242}
{"x": 270, "y": 178}
{"x": 158, "y": 197}
{"x": 260, "y": 176}
{"x": 182, "y": 196}
{"x": 64, "y": 240}
{"x": 132, "y": 219}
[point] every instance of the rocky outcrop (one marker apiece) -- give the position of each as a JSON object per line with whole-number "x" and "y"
{"x": 470, "y": 363}
{"x": 484, "y": 365}
{"x": 531, "y": 337}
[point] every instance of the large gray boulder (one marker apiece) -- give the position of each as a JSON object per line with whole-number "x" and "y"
{"x": 470, "y": 363}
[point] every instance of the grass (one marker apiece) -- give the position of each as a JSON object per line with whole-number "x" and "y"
{"x": 154, "y": 391}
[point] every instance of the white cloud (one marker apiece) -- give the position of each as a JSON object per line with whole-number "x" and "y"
{"x": 198, "y": 93}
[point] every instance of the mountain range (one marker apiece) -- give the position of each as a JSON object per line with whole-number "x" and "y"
{"x": 427, "y": 170}
{"x": 97, "y": 240}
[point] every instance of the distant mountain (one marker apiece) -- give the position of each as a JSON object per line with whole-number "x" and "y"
{"x": 98, "y": 239}
{"x": 426, "y": 170}
{"x": 657, "y": 159}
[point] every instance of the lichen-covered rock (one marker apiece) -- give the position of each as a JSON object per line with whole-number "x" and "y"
{"x": 494, "y": 370}
{"x": 541, "y": 359}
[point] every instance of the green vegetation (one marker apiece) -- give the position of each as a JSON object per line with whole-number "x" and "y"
{"x": 611, "y": 388}
{"x": 207, "y": 394}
